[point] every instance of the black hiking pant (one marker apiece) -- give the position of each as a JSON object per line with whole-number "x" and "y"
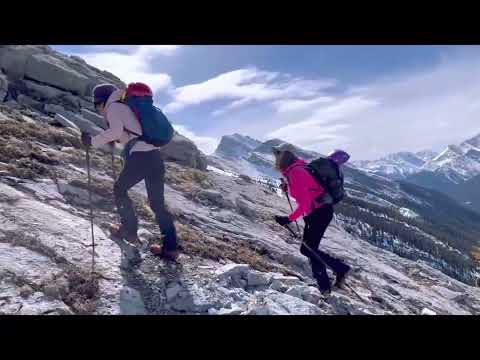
{"x": 148, "y": 166}
{"x": 315, "y": 226}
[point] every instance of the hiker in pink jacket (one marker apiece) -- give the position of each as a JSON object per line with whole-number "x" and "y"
{"x": 317, "y": 216}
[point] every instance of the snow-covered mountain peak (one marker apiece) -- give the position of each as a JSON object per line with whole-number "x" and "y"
{"x": 426, "y": 155}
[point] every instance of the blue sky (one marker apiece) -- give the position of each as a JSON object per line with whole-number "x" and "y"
{"x": 368, "y": 100}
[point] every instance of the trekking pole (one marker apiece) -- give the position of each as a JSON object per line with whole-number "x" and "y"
{"x": 291, "y": 207}
{"x": 114, "y": 174}
{"x": 293, "y": 232}
{"x": 113, "y": 167}
{"x": 87, "y": 153}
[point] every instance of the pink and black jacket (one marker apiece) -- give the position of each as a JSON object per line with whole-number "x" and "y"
{"x": 303, "y": 188}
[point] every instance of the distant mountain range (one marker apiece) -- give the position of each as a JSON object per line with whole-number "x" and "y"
{"x": 399, "y": 165}
{"x": 454, "y": 172}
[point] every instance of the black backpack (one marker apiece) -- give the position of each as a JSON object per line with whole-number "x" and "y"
{"x": 329, "y": 175}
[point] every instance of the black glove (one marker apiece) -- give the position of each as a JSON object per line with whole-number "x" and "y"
{"x": 86, "y": 139}
{"x": 282, "y": 220}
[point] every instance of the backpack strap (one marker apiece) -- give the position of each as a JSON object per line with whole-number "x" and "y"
{"x": 123, "y": 97}
{"x": 122, "y": 101}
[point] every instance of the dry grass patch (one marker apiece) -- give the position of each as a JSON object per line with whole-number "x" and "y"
{"x": 184, "y": 178}
{"x": 193, "y": 242}
{"x": 100, "y": 187}
{"x": 83, "y": 291}
{"x": 98, "y": 159}
{"x": 43, "y": 133}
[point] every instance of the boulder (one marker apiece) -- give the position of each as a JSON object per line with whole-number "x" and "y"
{"x": 29, "y": 102}
{"x": 50, "y": 70}
{"x": 68, "y": 101}
{"x": 287, "y": 280}
{"x": 80, "y": 196}
{"x": 272, "y": 302}
{"x": 67, "y": 118}
{"x": 41, "y": 91}
{"x": 131, "y": 302}
{"x": 83, "y": 124}
{"x": 215, "y": 198}
{"x": 54, "y": 109}
{"x": 307, "y": 293}
{"x": 94, "y": 118}
{"x": 245, "y": 209}
{"x": 196, "y": 299}
{"x": 295, "y": 261}
{"x": 277, "y": 285}
{"x": 257, "y": 278}
{"x": 232, "y": 270}
{"x": 3, "y": 86}
{"x": 57, "y": 71}
{"x": 342, "y": 305}
{"x": 13, "y": 59}
{"x": 86, "y": 103}
{"x": 47, "y": 120}
{"x": 65, "y": 122}
{"x": 185, "y": 152}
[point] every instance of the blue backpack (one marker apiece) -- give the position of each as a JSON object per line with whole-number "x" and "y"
{"x": 156, "y": 129}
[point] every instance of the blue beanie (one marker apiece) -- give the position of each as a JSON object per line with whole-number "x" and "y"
{"x": 102, "y": 92}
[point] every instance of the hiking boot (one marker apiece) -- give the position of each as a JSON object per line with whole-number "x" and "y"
{"x": 340, "y": 278}
{"x": 118, "y": 232}
{"x": 324, "y": 287}
{"x": 158, "y": 250}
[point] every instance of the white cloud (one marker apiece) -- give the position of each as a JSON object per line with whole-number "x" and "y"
{"x": 131, "y": 63}
{"x": 428, "y": 108}
{"x": 323, "y": 128}
{"x": 408, "y": 112}
{"x": 245, "y": 86}
{"x": 287, "y": 105}
{"x": 206, "y": 144}
{"x": 132, "y": 49}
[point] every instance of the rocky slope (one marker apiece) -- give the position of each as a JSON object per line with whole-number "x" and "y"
{"x": 235, "y": 259}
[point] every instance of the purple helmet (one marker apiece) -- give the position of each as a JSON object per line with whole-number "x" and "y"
{"x": 339, "y": 156}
